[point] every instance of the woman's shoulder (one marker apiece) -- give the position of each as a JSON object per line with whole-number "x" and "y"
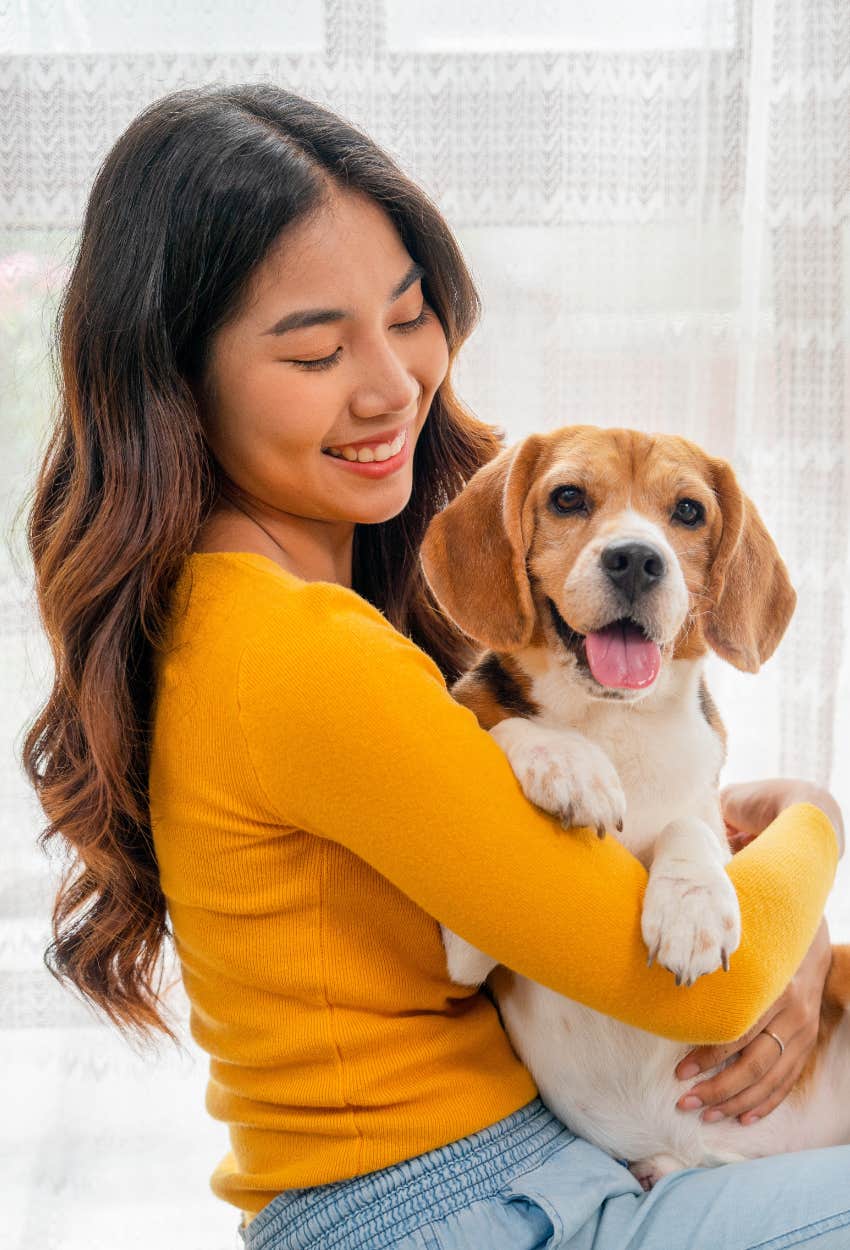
{"x": 247, "y": 600}
{"x": 236, "y": 597}
{"x": 245, "y": 588}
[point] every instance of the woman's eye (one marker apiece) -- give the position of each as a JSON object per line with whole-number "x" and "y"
{"x": 326, "y": 362}
{"x": 406, "y": 326}
{"x": 689, "y": 512}
{"x": 321, "y": 362}
{"x": 569, "y": 499}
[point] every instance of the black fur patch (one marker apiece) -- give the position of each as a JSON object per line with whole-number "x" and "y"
{"x": 707, "y": 705}
{"x": 572, "y": 641}
{"x": 505, "y": 687}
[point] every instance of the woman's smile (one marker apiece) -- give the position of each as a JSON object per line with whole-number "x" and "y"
{"x": 374, "y": 457}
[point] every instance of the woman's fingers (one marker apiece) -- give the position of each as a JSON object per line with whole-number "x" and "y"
{"x": 773, "y": 1100}
{"x": 751, "y": 1073}
{"x": 760, "y": 1099}
{"x": 750, "y": 806}
{"x": 703, "y": 1058}
{"x": 759, "y": 1077}
{"x": 738, "y": 838}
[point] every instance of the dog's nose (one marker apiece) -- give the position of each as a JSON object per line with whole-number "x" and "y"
{"x": 633, "y": 567}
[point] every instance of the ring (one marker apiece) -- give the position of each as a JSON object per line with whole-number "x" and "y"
{"x": 777, "y": 1040}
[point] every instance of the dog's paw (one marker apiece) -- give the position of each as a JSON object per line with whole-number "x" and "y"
{"x": 466, "y": 965}
{"x": 691, "y": 920}
{"x": 564, "y": 773}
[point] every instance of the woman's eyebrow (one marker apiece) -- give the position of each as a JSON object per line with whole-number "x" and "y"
{"x": 321, "y": 316}
{"x": 414, "y": 273}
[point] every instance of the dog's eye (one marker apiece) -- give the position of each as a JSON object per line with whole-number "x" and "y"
{"x": 689, "y": 512}
{"x": 568, "y": 499}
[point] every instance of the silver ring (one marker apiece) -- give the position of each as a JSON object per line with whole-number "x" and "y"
{"x": 777, "y": 1040}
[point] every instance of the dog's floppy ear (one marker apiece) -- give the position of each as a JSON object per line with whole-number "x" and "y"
{"x": 749, "y": 587}
{"x": 473, "y": 554}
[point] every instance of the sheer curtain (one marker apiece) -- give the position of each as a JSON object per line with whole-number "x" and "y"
{"x": 654, "y": 201}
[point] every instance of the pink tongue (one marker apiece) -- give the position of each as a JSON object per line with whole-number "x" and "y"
{"x": 620, "y": 655}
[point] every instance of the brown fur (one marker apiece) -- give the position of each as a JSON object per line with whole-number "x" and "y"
{"x": 835, "y": 1002}
{"x": 517, "y": 551}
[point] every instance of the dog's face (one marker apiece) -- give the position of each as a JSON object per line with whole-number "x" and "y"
{"x": 618, "y": 550}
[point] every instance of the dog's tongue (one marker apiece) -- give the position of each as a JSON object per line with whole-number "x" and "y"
{"x": 620, "y": 655}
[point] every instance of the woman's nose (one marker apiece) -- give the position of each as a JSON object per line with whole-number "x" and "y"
{"x": 385, "y": 383}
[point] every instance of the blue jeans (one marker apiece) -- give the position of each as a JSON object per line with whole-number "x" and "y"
{"x": 529, "y": 1182}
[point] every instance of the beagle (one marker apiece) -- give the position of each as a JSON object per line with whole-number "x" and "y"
{"x": 599, "y": 566}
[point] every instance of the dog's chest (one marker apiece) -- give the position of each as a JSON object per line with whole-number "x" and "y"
{"x": 667, "y": 756}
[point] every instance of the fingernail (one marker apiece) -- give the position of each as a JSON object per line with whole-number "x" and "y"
{"x": 709, "y": 1117}
{"x": 690, "y": 1069}
{"x": 690, "y": 1103}
{"x": 750, "y": 1119}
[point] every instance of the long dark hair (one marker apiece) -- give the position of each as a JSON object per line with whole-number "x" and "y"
{"x": 185, "y": 207}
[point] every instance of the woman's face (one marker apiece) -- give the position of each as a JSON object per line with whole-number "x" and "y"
{"x": 333, "y": 345}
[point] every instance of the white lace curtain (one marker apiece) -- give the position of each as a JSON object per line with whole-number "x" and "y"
{"x": 654, "y": 200}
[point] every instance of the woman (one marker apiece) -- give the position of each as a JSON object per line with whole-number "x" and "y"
{"x": 250, "y": 725}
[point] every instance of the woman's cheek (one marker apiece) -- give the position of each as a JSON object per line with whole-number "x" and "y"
{"x": 290, "y": 404}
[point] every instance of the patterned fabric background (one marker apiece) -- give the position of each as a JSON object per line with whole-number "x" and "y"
{"x": 654, "y": 200}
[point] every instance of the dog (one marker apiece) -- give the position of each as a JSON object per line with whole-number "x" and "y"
{"x": 598, "y": 567}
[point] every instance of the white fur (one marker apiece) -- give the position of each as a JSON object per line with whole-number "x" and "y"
{"x": 660, "y": 761}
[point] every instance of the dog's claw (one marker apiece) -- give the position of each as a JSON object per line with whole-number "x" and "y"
{"x": 652, "y": 955}
{"x": 724, "y": 958}
{"x": 619, "y": 826}
{"x": 600, "y": 831}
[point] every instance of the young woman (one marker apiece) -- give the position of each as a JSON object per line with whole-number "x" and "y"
{"x": 251, "y": 748}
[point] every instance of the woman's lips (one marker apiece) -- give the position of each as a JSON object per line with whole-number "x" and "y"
{"x": 388, "y": 436}
{"x": 374, "y": 468}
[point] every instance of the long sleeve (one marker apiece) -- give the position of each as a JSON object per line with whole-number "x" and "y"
{"x": 354, "y": 737}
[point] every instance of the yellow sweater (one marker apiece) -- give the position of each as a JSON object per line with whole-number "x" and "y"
{"x": 317, "y": 798}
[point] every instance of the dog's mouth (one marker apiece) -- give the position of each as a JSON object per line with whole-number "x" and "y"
{"x": 619, "y": 656}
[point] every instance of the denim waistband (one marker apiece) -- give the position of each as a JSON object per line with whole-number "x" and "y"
{"x": 353, "y": 1214}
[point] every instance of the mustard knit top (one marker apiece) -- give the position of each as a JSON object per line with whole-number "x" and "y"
{"x": 318, "y": 803}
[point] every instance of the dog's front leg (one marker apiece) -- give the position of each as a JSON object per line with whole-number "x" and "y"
{"x": 691, "y": 920}
{"x": 564, "y": 773}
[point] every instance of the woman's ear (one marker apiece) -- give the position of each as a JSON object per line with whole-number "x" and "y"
{"x": 749, "y": 587}
{"x": 474, "y": 551}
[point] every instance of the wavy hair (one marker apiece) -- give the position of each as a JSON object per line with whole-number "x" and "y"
{"x": 186, "y": 205}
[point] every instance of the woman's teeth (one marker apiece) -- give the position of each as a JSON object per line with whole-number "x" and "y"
{"x": 365, "y": 455}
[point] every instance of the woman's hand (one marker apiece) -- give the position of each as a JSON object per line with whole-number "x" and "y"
{"x": 761, "y": 1075}
{"x": 750, "y": 806}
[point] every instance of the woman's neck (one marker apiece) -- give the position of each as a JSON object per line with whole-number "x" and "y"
{"x": 235, "y": 527}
